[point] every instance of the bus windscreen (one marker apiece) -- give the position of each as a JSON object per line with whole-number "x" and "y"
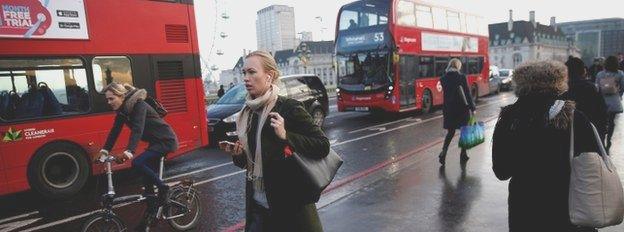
{"x": 364, "y": 71}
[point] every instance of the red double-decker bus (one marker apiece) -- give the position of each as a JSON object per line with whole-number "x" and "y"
{"x": 391, "y": 54}
{"x": 55, "y": 59}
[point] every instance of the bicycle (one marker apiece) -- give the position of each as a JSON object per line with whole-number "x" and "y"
{"x": 182, "y": 209}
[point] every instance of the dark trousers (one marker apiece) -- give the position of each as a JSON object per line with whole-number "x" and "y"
{"x": 259, "y": 220}
{"x": 610, "y": 127}
{"x": 147, "y": 164}
{"x": 447, "y": 141}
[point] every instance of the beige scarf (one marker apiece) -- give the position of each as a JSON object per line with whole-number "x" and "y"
{"x": 262, "y": 105}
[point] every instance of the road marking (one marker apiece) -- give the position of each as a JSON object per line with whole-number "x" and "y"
{"x": 342, "y": 114}
{"x": 377, "y": 126}
{"x": 218, "y": 178}
{"x": 18, "y": 224}
{"x": 198, "y": 171}
{"x": 18, "y": 217}
{"x": 403, "y": 126}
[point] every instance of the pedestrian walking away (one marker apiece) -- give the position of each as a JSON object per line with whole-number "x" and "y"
{"x": 586, "y": 96}
{"x": 145, "y": 125}
{"x": 610, "y": 82}
{"x": 271, "y": 129}
{"x": 596, "y": 67}
{"x": 457, "y": 105}
{"x": 221, "y": 91}
{"x": 531, "y": 145}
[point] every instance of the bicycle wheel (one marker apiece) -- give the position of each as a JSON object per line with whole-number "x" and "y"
{"x": 184, "y": 210}
{"x": 104, "y": 222}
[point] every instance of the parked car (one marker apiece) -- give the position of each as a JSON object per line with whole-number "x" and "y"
{"x": 506, "y": 76}
{"x": 494, "y": 70}
{"x": 306, "y": 88}
{"x": 495, "y": 84}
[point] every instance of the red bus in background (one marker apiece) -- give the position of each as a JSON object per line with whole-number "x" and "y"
{"x": 391, "y": 54}
{"x": 57, "y": 56}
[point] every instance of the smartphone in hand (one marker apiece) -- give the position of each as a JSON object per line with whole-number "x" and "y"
{"x": 226, "y": 145}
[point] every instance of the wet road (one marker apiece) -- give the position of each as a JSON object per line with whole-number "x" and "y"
{"x": 390, "y": 181}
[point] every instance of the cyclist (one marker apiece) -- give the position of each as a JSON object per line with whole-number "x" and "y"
{"x": 146, "y": 125}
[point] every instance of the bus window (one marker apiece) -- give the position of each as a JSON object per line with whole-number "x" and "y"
{"x": 475, "y": 65}
{"x": 440, "y": 65}
{"x": 34, "y": 88}
{"x": 471, "y": 24}
{"x": 107, "y": 69}
{"x": 383, "y": 20}
{"x": 425, "y": 67}
{"x": 368, "y": 19}
{"x": 405, "y": 13}
{"x": 423, "y": 16}
{"x": 363, "y": 15}
{"x": 439, "y": 19}
{"x": 464, "y": 61}
{"x": 453, "y": 21}
{"x": 348, "y": 20}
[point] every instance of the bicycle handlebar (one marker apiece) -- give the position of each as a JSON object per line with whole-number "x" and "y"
{"x": 105, "y": 159}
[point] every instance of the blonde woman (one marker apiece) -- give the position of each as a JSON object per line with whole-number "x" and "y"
{"x": 270, "y": 128}
{"x": 146, "y": 125}
{"x": 456, "y": 108}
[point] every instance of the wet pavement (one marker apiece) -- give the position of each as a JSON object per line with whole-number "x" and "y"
{"x": 390, "y": 181}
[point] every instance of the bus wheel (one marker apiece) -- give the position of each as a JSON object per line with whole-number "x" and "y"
{"x": 58, "y": 170}
{"x": 474, "y": 91}
{"x": 427, "y": 102}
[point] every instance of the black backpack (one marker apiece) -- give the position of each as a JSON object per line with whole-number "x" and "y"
{"x": 156, "y": 105}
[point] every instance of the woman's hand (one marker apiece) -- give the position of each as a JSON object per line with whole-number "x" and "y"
{"x": 277, "y": 122}
{"x": 232, "y": 148}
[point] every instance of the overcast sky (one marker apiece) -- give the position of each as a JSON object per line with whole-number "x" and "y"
{"x": 241, "y": 26}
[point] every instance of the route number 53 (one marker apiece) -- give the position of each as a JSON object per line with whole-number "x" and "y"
{"x": 379, "y": 37}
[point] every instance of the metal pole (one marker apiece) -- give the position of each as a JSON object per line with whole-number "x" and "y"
{"x": 162, "y": 167}
{"x": 109, "y": 174}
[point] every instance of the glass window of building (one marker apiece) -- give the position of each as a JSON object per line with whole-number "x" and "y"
{"x": 42, "y": 87}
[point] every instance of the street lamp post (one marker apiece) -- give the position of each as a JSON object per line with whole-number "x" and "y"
{"x": 304, "y": 55}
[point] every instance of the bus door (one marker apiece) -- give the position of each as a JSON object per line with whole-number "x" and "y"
{"x": 407, "y": 75}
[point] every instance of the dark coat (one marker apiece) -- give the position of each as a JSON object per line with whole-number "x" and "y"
{"x": 589, "y": 101}
{"x": 533, "y": 151}
{"x": 291, "y": 208}
{"x": 145, "y": 124}
{"x": 455, "y": 110}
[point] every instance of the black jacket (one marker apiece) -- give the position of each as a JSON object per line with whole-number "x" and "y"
{"x": 590, "y": 102}
{"x": 291, "y": 206}
{"x": 533, "y": 151}
{"x": 455, "y": 109}
{"x": 145, "y": 125}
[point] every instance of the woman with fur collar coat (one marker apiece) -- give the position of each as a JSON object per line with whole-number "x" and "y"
{"x": 531, "y": 147}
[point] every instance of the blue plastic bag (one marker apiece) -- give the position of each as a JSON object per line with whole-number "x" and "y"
{"x": 472, "y": 134}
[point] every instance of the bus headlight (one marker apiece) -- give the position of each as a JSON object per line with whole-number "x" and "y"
{"x": 389, "y": 92}
{"x": 232, "y": 118}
